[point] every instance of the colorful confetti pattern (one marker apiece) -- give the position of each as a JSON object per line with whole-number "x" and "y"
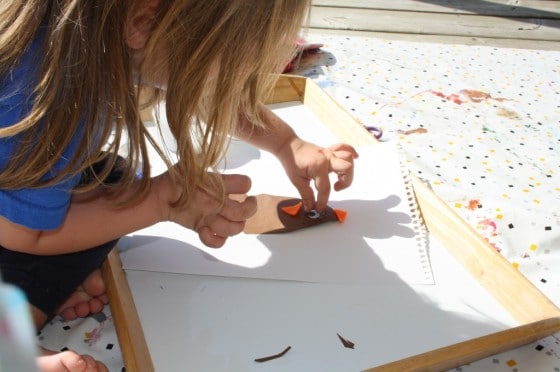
{"x": 481, "y": 125}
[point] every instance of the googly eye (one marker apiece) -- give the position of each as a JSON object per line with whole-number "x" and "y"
{"x": 313, "y": 214}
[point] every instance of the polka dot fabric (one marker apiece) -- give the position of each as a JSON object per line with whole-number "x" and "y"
{"x": 481, "y": 126}
{"x": 94, "y": 335}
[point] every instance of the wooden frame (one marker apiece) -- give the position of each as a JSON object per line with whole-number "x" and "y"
{"x": 537, "y": 315}
{"x": 530, "y": 24}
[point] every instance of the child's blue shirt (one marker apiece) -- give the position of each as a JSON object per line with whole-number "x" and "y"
{"x": 38, "y": 208}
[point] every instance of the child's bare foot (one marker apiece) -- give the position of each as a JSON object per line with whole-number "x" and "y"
{"x": 68, "y": 361}
{"x": 89, "y": 298}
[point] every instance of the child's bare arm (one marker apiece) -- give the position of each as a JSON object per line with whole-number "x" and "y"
{"x": 95, "y": 221}
{"x": 303, "y": 161}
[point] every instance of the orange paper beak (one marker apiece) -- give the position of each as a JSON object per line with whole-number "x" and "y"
{"x": 340, "y": 214}
{"x": 292, "y": 210}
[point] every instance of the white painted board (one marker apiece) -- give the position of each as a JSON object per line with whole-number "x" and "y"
{"x": 377, "y": 280}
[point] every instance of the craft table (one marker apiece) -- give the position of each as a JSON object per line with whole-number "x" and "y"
{"x": 480, "y": 125}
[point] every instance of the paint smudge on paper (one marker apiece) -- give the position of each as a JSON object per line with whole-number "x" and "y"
{"x": 413, "y": 131}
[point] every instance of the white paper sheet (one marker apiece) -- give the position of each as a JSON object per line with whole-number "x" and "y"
{"x": 379, "y": 233}
{"x": 204, "y": 323}
{"x": 364, "y": 279}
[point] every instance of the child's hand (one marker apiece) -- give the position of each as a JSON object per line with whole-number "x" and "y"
{"x": 68, "y": 361}
{"x": 213, "y": 221}
{"x": 305, "y": 162}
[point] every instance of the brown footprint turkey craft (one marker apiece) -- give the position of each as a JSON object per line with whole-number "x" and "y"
{"x": 280, "y": 214}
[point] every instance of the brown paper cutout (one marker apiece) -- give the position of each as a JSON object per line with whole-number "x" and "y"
{"x": 271, "y": 219}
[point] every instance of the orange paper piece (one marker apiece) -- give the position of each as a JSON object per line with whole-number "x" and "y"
{"x": 292, "y": 210}
{"x": 340, "y": 214}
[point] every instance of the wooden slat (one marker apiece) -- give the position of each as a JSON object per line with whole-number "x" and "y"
{"x": 444, "y": 39}
{"x": 465, "y": 352}
{"x": 134, "y": 349}
{"x": 517, "y": 294}
{"x": 334, "y": 117}
{"x": 288, "y": 90}
{"x": 505, "y": 8}
{"x": 434, "y": 23}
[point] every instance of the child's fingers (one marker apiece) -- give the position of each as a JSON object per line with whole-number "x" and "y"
{"x": 236, "y": 183}
{"x": 344, "y": 170}
{"x": 341, "y": 162}
{"x": 229, "y": 221}
{"x": 344, "y": 180}
{"x": 353, "y": 154}
{"x": 223, "y": 227}
{"x": 70, "y": 361}
{"x": 323, "y": 186}
{"x": 307, "y": 195}
{"x": 239, "y": 211}
{"x": 209, "y": 238}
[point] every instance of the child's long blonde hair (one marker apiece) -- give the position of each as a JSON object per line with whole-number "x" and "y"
{"x": 86, "y": 77}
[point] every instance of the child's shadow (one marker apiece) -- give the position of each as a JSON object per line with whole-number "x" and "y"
{"x": 381, "y": 224}
{"x": 342, "y": 253}
{"x": 336, "y": 253}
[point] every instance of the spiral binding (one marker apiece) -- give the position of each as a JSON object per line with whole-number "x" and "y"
{"x": 418, "y": 225}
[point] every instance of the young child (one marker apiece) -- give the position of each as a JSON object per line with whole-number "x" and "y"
{"x": 71, "y": 73}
